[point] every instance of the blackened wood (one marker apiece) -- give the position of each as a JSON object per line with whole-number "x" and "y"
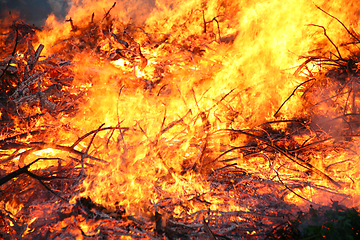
{"x": 16, "y": 173}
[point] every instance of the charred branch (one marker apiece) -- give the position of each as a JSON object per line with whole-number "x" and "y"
{"x": 295, "y": 159}
{"x": 41, "y": 98}
{"x": 251, "y": 170}
{"x": 350, "y": 33}
{"x": 24, "y": 170}
{"x": 288, "y": 98}
{"x": 12, "y": 54}
{"x": 108, "y": 12}
{"x": 73, "y": 27}
{"x": 337, "y": 49}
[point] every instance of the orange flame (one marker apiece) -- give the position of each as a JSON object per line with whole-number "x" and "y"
{"x": 170, "y": 77}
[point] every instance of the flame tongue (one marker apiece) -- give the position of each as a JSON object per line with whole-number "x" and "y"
{"x": 182, "y": 116}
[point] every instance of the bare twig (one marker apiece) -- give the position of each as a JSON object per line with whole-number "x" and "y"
{"x": 339, "y": 22}
{"x": 43, "y": 184}
{"x": 95, "y": 131}
{"x": 36, "y": 57}
{"x": 298, "y": 195}
{"x": 39, "y": 97}
{"x": 337, "y": 49}
{"x": 73, "y": 27}
{"x": 13, "y": 52}
{"x": 286, "y": 153}
{"x": 108, "y": 12}
{"x": 16, "y": 173}
{"x": 287, "y": 99}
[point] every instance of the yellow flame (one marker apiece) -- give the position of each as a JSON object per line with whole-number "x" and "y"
{"x": 173, "y": 101}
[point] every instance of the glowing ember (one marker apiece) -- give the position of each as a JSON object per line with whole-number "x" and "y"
{"x": 188, "y": 120}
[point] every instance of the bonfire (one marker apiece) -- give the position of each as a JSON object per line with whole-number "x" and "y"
{"x": 197, "y": 120}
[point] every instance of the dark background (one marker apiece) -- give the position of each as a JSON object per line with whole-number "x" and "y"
{"x": 34, "y": 11}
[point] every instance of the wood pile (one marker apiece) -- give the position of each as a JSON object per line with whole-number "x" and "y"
{"x": 37, "y": 92}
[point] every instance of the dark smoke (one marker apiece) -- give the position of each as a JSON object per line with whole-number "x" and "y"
{"x": 33, "y": 12}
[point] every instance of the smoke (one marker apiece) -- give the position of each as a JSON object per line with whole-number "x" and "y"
{"x": 34, "y": 11}
{"x": 136, "y": 11}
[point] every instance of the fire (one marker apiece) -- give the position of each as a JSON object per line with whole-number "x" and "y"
{"x": 197, "y": 112}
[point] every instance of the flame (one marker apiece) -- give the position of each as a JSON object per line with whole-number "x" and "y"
{"x": 169, "y": 77}
{"x": 266, "y": 41}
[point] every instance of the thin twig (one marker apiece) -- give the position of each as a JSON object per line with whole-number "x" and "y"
{"x": 95, "y": 131}
{"x": 278, "y": 176}
{"x": 339, "y": 22}
{"x": 92, "y": 138}
{"x": 73, "y": 27}
{"x": 337, "y": 49}
{"x": 13, "y": 52}
{"x": 291, "y": 95}
{"x": 44, "y": 185}
{"x": 172, "y": 124}
{"x": 286, "y": 153}
{"x": 108, "y": 12}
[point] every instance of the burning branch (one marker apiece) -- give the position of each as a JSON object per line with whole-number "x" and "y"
{"x": 12, "y": 54}
{"x": 350, "y": 33}
{"x": 287, "y": 99}
{"x": 159, "y": 169}
{"x": 17, "y": 173}
{"x": 108, "y": 12}
{"x": 73, "y": 27}
{"x": 337, "y": 49}
{"x": 24, "y": 170}
{"x": 39, "y": 97}
{"x": 295, "y": 159}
